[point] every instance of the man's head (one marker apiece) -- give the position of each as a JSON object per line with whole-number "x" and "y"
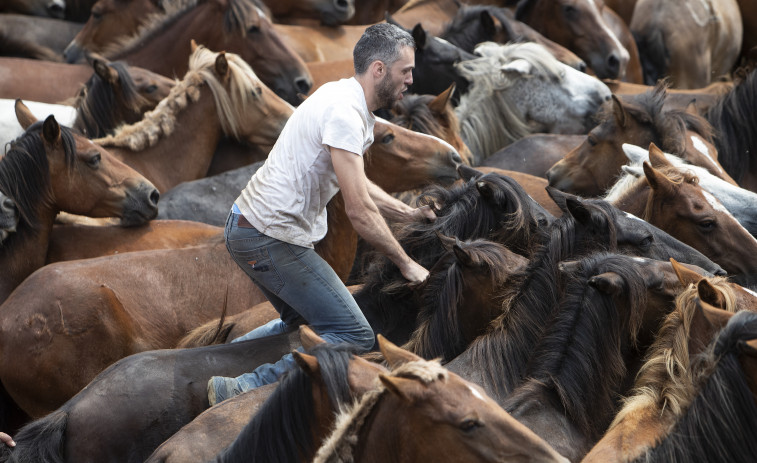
{"x": 387, "y": 53}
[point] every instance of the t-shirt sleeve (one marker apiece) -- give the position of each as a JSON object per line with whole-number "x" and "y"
{"x": 343, "y": 128}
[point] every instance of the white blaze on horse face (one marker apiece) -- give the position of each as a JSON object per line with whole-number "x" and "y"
{"x": 749, "y": 291}
{"x": 623, "y": 54}
{"x": 475, "y": 393}
{"x": 700, "y": 146}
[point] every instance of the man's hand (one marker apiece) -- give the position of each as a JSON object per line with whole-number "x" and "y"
{"x": 7, "y": 440}
{"x": 414, "y": 272}
{"x": 424, "y": 213}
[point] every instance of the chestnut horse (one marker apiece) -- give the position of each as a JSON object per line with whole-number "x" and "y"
{"x": 671, "y": 199}
{"x": 236, "y": 26}
{"x": 220, "y": 94}
{"x": 592, "y": 167}
{"x": 690, "y": 41}
{"x": 461, "y": 423}
{"x": 580, "y": 27}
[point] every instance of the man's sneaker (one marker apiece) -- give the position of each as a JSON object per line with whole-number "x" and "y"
{"x": 221, "y": 388}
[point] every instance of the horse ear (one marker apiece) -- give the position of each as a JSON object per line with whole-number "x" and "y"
{"x": 309, "y": 338}
{"x": 193, "y": 45}
{"x": 439, "y": 103}
{"x": 609, "y": 283}
{"x": 709, "y": 294}
{"x": 635, "y": 153}
{"x": 685, "y": 275}
{"x": 401, "y": 387}
{"x": 447, "y": 241}
{"x": 657, "y": 158}
{"x": 461, "y": 254}
{"x": 308, "y": 364}
{"x": 656, "y": 179}
{"x": 395, "y": 356}
{"x": 222, "y": 65}
{"x": 578, "y": 209}
{"x": 467, "y": 172}
{"x": 485, "y": 189}
{"x": 559, "y": 197}
{"x": 419, "y": 35}
{"x": 569, "y": 266}
{"x": 750, "y": 347}
{"x": 24, "y": 115}
{"x": 619, "y": 111}
{"x": 105, "y": 72}
{"x": 712, "y": 316}
{"x": 487, "y": 23}
{"x": 51, "y": 130}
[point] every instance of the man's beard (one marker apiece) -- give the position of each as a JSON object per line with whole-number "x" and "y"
{"x": 385, "y": 93}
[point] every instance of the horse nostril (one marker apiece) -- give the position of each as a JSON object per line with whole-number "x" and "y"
{"x": 302, "y": 84}
{"x": 8, "y": 204}
{"x": 581, "y": 66}
{"x": 154, "y": 197}
{"x": 342, "y": 4}
{"x": 455, "y": 157}
{"x": 613, "y": 63}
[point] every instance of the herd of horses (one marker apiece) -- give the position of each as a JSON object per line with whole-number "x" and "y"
{"x": 590, "y": 165}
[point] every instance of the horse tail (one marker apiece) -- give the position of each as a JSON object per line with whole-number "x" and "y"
{"x": 212, "y": 332}
{"x": 40, "y": 440}
{"x": 653, "y": 54}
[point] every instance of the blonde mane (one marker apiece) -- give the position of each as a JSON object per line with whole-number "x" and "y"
{"x": 665, "y": 381}
{"x": 243, "y": 85}
{"x": 338, "y": 447}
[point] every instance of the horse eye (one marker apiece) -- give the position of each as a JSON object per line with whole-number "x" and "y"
{"x": 646, "y": 241}
{"x": 94, "y": 161}
{"x": 151, "y": 88}
{"x": 592, "y": 140}
{"x": 387, "y": 139}
{"x": 570, "y": 10}
{"x": 469, "y": 425}
{"x": 707, "y": 225}
{"x": 254, "y": 28}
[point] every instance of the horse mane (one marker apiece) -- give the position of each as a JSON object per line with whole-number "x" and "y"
{"x": 281, "y": 431}
{"x": 25, "y": 174}
{"x": 733, "y": 118}
{"x": 488, "y": 118}
{"x": 97, "y": 100}
{"x": 664, "y": 381}
{"x": 339, "y": 446}
{"x": 439, "y": 333}
{"x": 504, "y": 351}
{"x": 584, "y": 366}
{"x": 413, "y": 113}
{"x": 720, "y": 422}
{"x": 161, "y": 121}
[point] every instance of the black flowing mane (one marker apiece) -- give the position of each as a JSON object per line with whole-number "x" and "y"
{"x": 281, "y": 431}
{"x": 719, "y": 425}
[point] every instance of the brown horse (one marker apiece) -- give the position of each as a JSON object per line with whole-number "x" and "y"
{"x": 464, "y": 424}
{"x": 671, "y": 199}
{"x": 25, "y": 36}
{"x": 61, "y": 171}
{"x": 534, "y": 154}
{"x": 691, "y": 42}
{"x": 664, "y": 387}
{"x": 373, "y": 11}
{"x": 431, "y": 14}
{"x": 320, "y": 43}
{"x": 220, "y": 94}
{"x": 328, "y": 12}
{"x": 677, "y": 98}
{"x": 580, "y": 27}
{"x": 236, "y": 26}
{"x": 44, "y": 8}
{"x": 593, "y": 166}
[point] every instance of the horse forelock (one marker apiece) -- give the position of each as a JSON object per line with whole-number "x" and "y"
{"x": 282, "y": 429}
{"x": 718, "y": 424}
{"x": 583, "y": 366}
{"x": 161, "y": 121}
{"x": 240, "y": 14}
{"x": 25, "y": 174}
{"x": 340, "y": 445}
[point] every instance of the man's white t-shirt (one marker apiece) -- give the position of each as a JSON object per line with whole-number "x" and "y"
{"x": 286, "y": 198}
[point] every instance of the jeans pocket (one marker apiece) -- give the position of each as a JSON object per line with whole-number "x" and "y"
{"x": 257, "y": 263}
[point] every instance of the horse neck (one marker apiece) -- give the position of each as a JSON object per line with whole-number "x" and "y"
{"x": 186, "y": 153}
{"x": 26, "y": 253}
{"x": 339, "y": 246}
{"x": 380, "y": 447}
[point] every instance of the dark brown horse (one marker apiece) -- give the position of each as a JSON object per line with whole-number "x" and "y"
{"x": 328, "y": 12}
{"x": 8, "y": 217}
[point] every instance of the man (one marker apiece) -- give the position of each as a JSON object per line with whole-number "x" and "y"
{"x": 281, "y": 214}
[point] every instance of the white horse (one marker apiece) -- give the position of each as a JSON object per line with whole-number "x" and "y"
{"x": 518, "y": 89}
{"x": 10, "y": 129}
{"x": 741, "y": 203}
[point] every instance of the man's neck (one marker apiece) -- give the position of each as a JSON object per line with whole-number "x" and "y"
{"x": 368, "y": 86}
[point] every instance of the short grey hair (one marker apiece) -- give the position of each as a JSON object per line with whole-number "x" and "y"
{"x": 382, "y": 42}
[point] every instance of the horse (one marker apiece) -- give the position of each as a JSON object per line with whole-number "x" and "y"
{"x": 672, "y": 200}
{"x": 236, "y": 26}
{"x": 115, "y": 96}
{"x": 688, "y": 41}
{"x": 26, "y": 36}
{"x": 328, "y": 12}
{"x": 320, "y": 43}
{"x": 474, "y": 24}
{"x": 497, "y": 360}
{"x": 534, "y": 154}
{"x": 735, "y": 131}
{"x": 8, "y": 217}
{"x": 739, "y": 201}
{"x": 580, "y": 27}
{"x": 431, "y": 14}
{"x": 373, "y": 11}
{"x": 576, "y": 370}
{"x": 520, "y": 89}
{"x": 677, "y": 98}
{"x": 44, "y": 8}
{"x": 593, "y": 166}
{"x": 464, "y": 424}
{"x": 220, "y": 94}
{"x": 61, "y": 171}
{"x": 664, "y": 386}
{"x": 169, "y": 392}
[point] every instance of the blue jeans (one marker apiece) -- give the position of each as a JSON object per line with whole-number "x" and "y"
{"x": 302, "y": 287}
